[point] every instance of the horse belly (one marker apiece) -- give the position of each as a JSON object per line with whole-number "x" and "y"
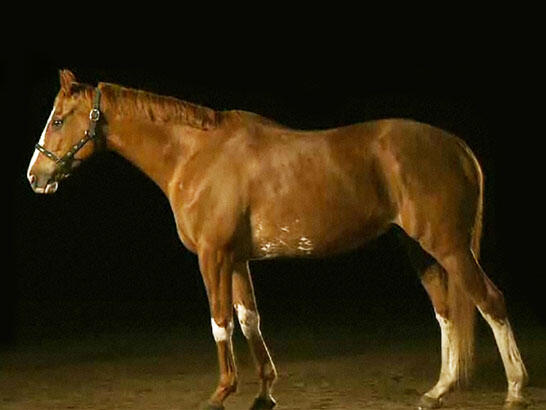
{"x": 314, "y": 234}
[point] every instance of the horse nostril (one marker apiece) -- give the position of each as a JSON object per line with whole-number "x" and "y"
{"x": 51, "y": 187}
{"x": 32, "y": 179}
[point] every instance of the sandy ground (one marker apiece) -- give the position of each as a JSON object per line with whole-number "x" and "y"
{"x": 170, "y": 369}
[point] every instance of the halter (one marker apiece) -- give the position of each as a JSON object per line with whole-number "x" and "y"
{"x": 64, "y": 163}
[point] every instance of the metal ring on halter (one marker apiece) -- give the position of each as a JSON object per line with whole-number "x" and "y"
{"x": 94, "y": 114}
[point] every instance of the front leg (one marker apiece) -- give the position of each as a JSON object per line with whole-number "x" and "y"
{"x": 244, "y": 301}
{"x": 216, "y": 267}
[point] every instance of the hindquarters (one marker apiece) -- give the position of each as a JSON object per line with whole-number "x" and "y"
{"x": 436, "y": 185}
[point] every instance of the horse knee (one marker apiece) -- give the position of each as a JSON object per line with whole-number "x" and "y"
{"x": 249, "y": 321}
{"x": 221, "y": 332}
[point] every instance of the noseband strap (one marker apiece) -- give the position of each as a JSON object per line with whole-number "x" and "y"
{"x": 64, "y": 163}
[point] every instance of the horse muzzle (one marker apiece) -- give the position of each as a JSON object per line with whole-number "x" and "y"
{"x": 43, "y": 185}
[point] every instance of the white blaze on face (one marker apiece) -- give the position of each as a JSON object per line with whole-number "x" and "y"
{"x": 221, "y": 334}
{"x": 41, "y": 142}
{"x": 249, "y": 321}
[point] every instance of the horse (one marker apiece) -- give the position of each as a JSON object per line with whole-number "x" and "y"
{"x": 243, "y": 187}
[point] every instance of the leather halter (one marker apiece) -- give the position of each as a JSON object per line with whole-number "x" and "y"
{"x": 64, "y": 164}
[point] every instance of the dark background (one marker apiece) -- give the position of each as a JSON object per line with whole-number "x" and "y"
{"x": 103, "y": 253}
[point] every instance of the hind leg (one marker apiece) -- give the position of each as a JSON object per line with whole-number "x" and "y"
{"x": 465, "y": 269}
{"x": 434, "y": 281}
{"x": 244, "y": 302}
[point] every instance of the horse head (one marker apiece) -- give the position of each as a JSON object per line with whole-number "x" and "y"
{"x": 63, "y": 144}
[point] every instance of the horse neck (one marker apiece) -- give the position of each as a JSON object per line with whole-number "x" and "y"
{"x": 155, "y": 147}
{"x": 143, "y": 145}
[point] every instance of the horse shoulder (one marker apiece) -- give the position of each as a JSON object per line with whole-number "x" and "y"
{"x": 213, "y": 191}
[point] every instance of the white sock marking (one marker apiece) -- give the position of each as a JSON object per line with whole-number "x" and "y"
{"x": 249, "y": 321}
{"x": 511, "y": 358}
{"x": 448, "y": 372}
{"x": 221, "y": 334}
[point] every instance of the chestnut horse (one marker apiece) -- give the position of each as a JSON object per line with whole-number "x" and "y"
{"x": 243, "y": 187}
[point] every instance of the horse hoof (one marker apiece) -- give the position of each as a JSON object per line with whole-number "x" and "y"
{"x": 263, "y": 403}
{"x": 518, "y": 404}
{"x": 427, "y": 402}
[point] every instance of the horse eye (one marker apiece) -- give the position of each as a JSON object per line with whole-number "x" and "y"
{"x": 57, "y": 123}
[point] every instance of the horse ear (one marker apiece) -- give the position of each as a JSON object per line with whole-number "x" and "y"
{"x": 67, "y": 79}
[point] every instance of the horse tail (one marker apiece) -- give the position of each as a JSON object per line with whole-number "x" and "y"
{"x": 461, "y": 307}
{"x": 478, "y": 222}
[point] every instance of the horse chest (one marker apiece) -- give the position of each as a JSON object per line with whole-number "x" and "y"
{"x": 206, "y": 212}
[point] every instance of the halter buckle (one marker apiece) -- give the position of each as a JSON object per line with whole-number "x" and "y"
{"x": 94, "y": 115}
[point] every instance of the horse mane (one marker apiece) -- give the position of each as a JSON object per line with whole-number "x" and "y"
{"x": 157, "y": 108}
